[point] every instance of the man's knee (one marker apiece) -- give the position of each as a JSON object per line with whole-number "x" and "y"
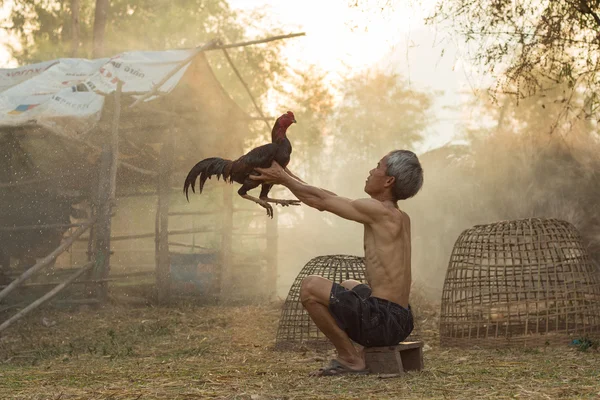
{"x": 315, "y": 288}
{"x": 350, "y": 284}
{"x": 307, "y": 288}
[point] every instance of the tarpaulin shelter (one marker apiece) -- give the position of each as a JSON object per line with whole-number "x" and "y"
{"x": 73, "y": 128}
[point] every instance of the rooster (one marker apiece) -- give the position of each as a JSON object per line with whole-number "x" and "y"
{"x": 239, "y": 170}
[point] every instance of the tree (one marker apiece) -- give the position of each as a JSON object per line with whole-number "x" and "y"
{"x": 379, "y": 113}
{"x": 74, "y": 27}
{"x": 531, "y": 46}
{"x": 100, "y": 14}
{"x": 307, "y": 93}
{"x": 45, "y": 29}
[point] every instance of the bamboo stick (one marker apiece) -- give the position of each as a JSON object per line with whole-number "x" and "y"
{"x": 183, "y": 213}
{"x": 237, "y": 73}
{"x": 182, "y": 64}
{"x": 258, "y": 41}
{"x": 115, "y": 142}
{"x": 226, "y": 244}
{"x": 163, "y": 266}
{"x": 45, "y": 297}
{"x": 46, "y": 260}
{"x": 138, "y": 169}
{"x": 151, "y": 235}
{"x": 192, "y": 246}
{"x": 42, "y": 284}
{"x": 271, "y": 255}
{"x": 211, "y": 45}
{"x": 34, "y": 227}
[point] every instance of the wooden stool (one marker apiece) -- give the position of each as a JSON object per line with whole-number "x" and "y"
{"x": 407, "y": 356}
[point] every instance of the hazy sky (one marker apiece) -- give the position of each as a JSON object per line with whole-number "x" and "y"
{"x": 342, "y": 40}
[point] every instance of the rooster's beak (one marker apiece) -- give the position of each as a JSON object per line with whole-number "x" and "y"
{"x": 294, "y": 121}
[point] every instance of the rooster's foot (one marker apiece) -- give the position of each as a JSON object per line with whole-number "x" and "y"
{"x": 283, "y": 203}
{"x": 268, "y": 207}
{"x": 261, "y": 203}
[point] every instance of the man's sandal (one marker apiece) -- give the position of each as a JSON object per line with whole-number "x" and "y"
{"x": 336, "y": 368}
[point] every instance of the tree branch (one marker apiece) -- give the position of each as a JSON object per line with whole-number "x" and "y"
{"x": 585, "y": 8}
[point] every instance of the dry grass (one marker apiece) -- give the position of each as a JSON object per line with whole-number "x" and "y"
{"x": 226, "y": 352}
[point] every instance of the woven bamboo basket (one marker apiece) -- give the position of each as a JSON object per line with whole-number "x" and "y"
{"x": 296, "y": 328}
{"x": 526, "y": 282}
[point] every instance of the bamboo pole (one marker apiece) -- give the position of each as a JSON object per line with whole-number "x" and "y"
{"x": 191, "y": 246}
{"x": 42, "y": 284}
{"x": 46, "y": 260}
{"x": 259, "y": 41}
{"x": 272, "y": 252}
{"x": 45, "y": 297}
{"x": 182, "y": 64}
{"x": 138, "y": 169}
{"x": 163, "y": 266}
{"x": 115, "y": 141}
{"x": 237, "y": 73}
{"x": 211, "y": 45}
{"x": 150, "y": 235}
{"x": 35, "y": 227}
{"x": 226, "y": 244}
{"x": 153, "y": 234}
{"x": 106, "y": 199}
{"x": 186, "y": 213}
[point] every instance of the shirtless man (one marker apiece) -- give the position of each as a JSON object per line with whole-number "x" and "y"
{"x": 377, "y": 314}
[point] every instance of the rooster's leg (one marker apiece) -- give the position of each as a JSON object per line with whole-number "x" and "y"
{"x": 260, "y": 202}
{"x": 284, "y": 203}
{"x": 266, "y": 187}
{"x": 249, "y": 184}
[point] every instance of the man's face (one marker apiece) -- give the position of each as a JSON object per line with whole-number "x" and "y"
{"x": 377, "y": 179}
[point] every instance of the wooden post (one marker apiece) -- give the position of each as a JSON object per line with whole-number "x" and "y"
{"x": 106, "y": 199}
{"x": 163, "y": 265}
{"x": 272, "y": 254}
{"x": 115, "y": 141}
{"x": 226, "y": 243}
{"x": 103, "y": 227}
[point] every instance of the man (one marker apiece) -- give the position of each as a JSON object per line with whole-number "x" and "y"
{"x": 377, "y": 314}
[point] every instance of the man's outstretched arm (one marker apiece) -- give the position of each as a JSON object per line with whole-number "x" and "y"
{"x": 365, "y": 211}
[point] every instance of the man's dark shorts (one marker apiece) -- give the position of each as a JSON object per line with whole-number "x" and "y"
{"x": 369, "y": 321}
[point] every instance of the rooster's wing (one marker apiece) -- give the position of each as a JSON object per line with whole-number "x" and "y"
{"x": 259, "y": 157}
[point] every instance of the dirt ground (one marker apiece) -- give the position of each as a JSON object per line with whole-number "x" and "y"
{"x": 213, "y": 352}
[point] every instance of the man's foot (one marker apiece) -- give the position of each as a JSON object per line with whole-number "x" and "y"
{"x": 337, "y": 368}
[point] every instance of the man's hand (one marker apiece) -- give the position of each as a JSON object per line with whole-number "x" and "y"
{"x": 274, "y": 174}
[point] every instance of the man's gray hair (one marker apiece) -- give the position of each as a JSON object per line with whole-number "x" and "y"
{"x": 406, "y": 168}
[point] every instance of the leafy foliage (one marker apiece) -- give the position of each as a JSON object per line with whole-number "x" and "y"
{"x": 530, "y": 46}
{"x": 379, "y": 113}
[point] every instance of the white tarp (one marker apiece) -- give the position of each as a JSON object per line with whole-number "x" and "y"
{"x": 60, "y": 94}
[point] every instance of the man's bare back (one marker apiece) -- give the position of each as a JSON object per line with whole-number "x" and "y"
{"x": 387, "y": 257}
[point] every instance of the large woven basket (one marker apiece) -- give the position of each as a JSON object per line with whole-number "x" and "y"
{"x": 295, "y": 326}
{"x": 523, "y": 282}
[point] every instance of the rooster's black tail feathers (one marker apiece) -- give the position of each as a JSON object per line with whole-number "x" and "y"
{"x": 205, "y": 169}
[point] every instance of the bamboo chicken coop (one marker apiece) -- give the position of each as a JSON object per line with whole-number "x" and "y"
{"x": 296, "y": 328}
{"x": 519, "y": 283}
{"x": 113, "y": 131}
